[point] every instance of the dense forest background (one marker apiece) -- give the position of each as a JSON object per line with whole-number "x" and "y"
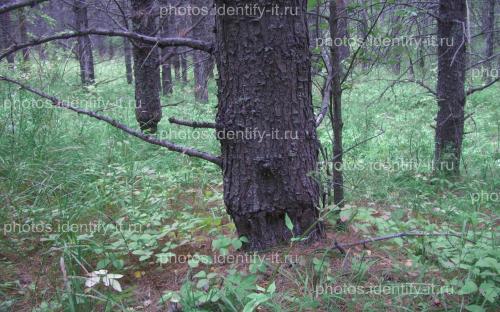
{"x": 230, "y": 155}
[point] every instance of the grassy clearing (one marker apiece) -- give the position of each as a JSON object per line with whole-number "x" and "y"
{"x": 78, "y": 196}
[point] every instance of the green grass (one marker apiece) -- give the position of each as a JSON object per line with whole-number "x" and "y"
{"x": 57, "y": 168}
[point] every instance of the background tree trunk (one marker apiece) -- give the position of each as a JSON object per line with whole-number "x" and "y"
{"x": 203, "y": 63}
{"x": 265, "y": 88}
{"x": 184, "y": 67}
{"x": 490, "y": 33}
{"x": 84, "y": 49}
{"x": 23, "y": 33}
{"x": 127, "y": 53}
{"x": 450, "y": 85}
{"x": 146, "y": 67}
{"x": 6, "y": 33}
{"x": 342, "y": 27}
{"x": 166, "y": 74}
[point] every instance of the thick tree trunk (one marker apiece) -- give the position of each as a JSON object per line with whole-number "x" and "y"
{"x": 146, "y": 67}
{"x": 6, "y": 34}
{"x": 450, "y": 85}
{"x": 85, "y": 55}
{"x": 336, "y": 107}
{"x": 265, "y": 89}
{"x": 23, "y": 32}
{"x": 203, "y": 63}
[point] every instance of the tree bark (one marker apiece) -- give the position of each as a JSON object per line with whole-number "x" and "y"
{"x": 265, "y": 88}
{"x": 146, "y": 67}
{"x": 450, "y": 85}
{"x": 336, "y": 107}
{"x": 84, "y": 49}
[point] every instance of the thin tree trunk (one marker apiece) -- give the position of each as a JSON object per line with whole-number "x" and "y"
{"x": 450, "y": 85}
{"x": 265, "y": 88}
{"x": 490, "y": 34}
{"x": 184, "y": 68}
{"x": 166, "y": 75}
{"x": 85, "y": 55}
{"x": 146, "y": 67}
{"x": 111, "y": 49}
{"x": 336, "y": 107}
{"x": 127, "y": 52}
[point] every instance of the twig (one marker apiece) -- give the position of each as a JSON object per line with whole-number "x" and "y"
{"x": 470, "y": 91}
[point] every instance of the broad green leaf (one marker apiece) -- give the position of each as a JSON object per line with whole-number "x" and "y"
{"x": 288, "y": 222}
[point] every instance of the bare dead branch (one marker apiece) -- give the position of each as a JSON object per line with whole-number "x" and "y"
{"x": 342, "y": 247}
{"x": 147, "y": 138}
{"x": 19, "y": 4}
{"x": 192, "y": 124}
{"x": 158, "y": 41}
{"x": 489, "y": 84}
{"x": 326, "y": 99}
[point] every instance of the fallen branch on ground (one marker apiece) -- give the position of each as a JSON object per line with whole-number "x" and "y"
{"x": 342, "y": 247}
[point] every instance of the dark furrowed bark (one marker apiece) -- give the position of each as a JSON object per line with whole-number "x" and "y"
{"x": 265, "y": 88}
{"x": 146, "y": 67}
{"x": 450, "y": 84}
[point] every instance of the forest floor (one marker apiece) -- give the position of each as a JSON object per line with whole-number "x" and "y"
{"x": 78, "y": 197}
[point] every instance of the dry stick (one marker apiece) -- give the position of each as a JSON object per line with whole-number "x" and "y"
{"x": 160, "y": 42}
{"x": 326, "y": 99}
{"x": 362, "y": 44}
{"x": 192, "y": 124}
{"x": 342, "y": 247}
{"x": 148, "y": 138}
{"x": 382, "y": 131}
{"x": 19, "y": 4}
